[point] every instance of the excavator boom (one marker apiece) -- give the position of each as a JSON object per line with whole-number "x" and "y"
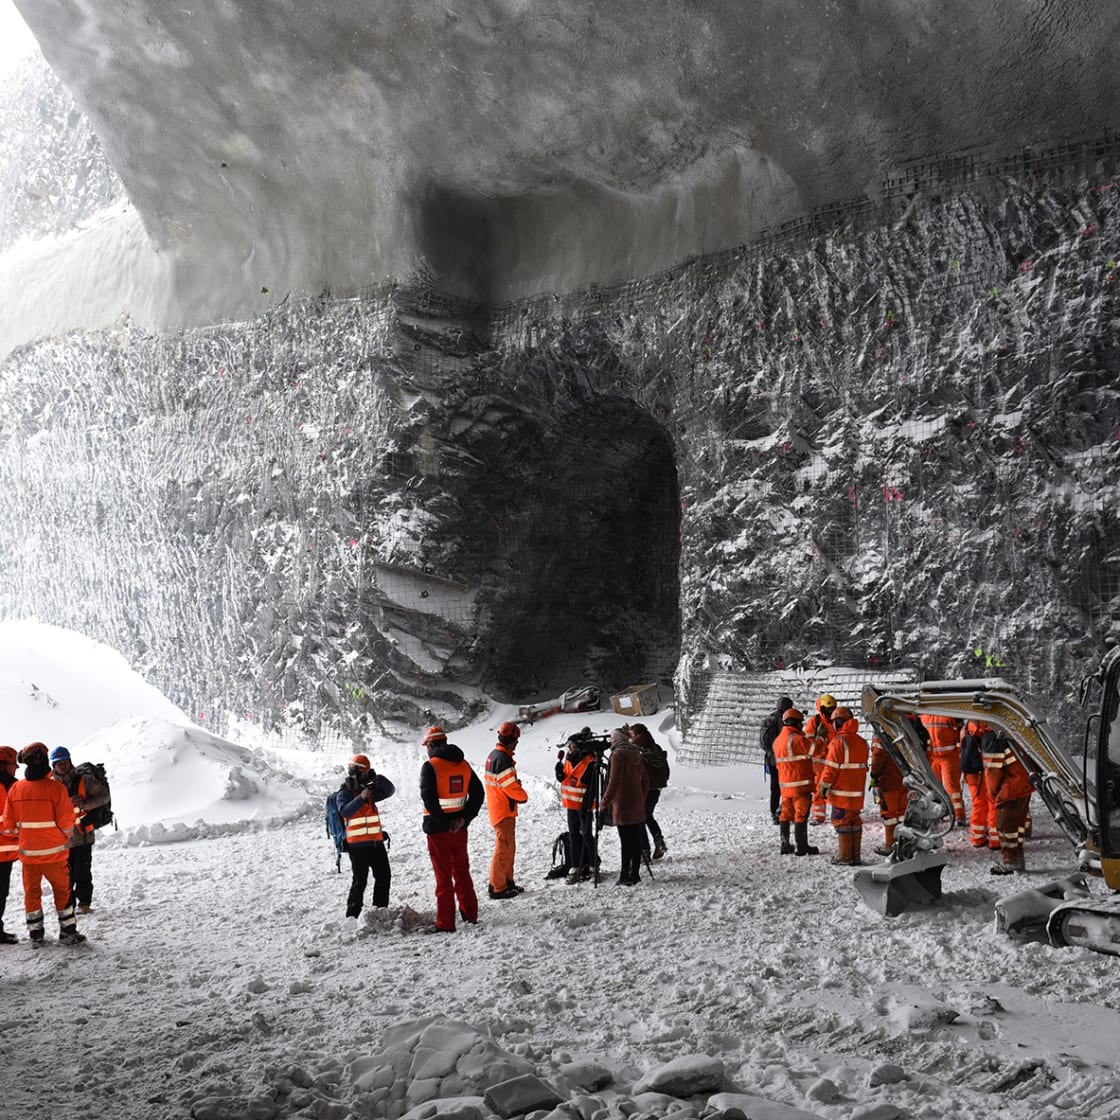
{"x": 1082, "y": 793}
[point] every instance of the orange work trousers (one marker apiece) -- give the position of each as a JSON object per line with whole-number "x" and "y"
{"x": 505, "y": 848}
{"x": 795, "y": 808}
{"x": 57, "y": 874}
{"x": 947, "y": 768}
{"x": 982, "y": 819}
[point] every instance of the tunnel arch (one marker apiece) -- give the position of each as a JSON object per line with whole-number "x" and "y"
{"x": 585, "y": 588}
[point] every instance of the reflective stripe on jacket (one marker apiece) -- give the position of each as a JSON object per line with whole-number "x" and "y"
{"x": 39, "y": 814}
{"x": 793, "y": 758}
{"x": 1004, "y": 775}
{"x": 572, "y": 788}
{"x": 944, "y": 733}
{"x": 9, "y": 848}
{"x": 364, "y": 827}
{"x": 453, "y": 780}
{"x": 845, "y": 770}
{"x": 503, "y": 789}
{"x": 820, "y": 731}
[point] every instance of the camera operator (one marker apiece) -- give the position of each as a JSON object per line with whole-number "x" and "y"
{"x": 578, "y": 772}
{"x": 625, "y": 800}
{"x": 366, "y": 841}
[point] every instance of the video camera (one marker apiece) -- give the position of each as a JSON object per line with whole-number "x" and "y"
{"x": 585, "y": 741}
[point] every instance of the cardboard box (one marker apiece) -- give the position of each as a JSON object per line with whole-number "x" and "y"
{"x": 637, "y": 700}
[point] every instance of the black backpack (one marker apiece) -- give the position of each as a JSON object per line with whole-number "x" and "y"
{"x": 561, "y": 857}
{"x": 103, "y": 814}
{"x": 771, "y": 728}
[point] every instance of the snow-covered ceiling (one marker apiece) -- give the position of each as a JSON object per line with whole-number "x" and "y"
{"x": 512, "y": 146}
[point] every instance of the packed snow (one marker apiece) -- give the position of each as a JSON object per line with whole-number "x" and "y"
{"x": 221, "y": 981}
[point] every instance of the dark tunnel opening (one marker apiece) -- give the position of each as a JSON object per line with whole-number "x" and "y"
{"x": 589, "y": 591}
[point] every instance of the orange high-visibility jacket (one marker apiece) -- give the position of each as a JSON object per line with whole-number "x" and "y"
{"x": 504, "y": 791}
{"x": 453, "y": 781}
{"x": 364, "y": 827}
{"x": 9, "y": 847}
{"x": 39, "y": 814}
{"x": 944, "y": 733}
{"x": 1004, "y": 775}
{"x": 885, "y": 770}
{"x": 820, "y": 732}
{"x": 794, "y": 759}
{"x": 844, "y": 778}
{"x": 573, "y": 789}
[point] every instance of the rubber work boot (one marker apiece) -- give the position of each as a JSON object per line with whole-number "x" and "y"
{"x": 843, "y": 849}
{"x": 857, "y": 843}
{"x": 507, "y": 892}
{"x": 801, "y": 835}
{"x": 71, "y": 936}
{"x": 35, "y": 928}
{"x": 787, "y": 847}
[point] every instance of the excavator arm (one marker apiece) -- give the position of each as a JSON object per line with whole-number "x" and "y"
{"x": 1082, "y": 793}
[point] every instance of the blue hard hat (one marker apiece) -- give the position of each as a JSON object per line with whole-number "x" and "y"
{"x": 60, "y": 754}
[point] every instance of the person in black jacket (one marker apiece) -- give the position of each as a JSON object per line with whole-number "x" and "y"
{"x": 366, "y": 839}
{"x": 656, "y": 762}
{"x": 771, "y": 726}
{"x": 452, "y": 795}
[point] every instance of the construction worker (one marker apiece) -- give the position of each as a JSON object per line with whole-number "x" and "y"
{"x": 793, "y": 756}
{"x": 820, "y": 731}
{"x": 9, "y": 849}
{"x": 503, "y": 794}
{"x": 889, "y": 792}
{"x": 843, "y": 782}
{"x": 982, "y": 830}
{"x": 39, "y": 815}
{"x": 577, "y": 771}
{"x": 1009, "y": 786}
{"x": 85, "y": 793}
{"x": 452, "y": 796}
{"x": 944, "y": 752}
{"x": 366, "y": 839}
{"x": 767, "y": 733}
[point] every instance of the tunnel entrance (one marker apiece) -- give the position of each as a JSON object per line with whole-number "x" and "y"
{"x": 588, "y": 584}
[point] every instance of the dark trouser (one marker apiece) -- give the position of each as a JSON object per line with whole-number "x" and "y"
{"x": 365, "y": 858}
{"x": 81, "y": 875}
{"x": 452, "y": 865}
{"x": 651, "y": 825}
{"x": 775, "y": 791}
{"x": 581, "y": 839}
{"x": 5, "y": 884}
{"x": 630, "y": 837}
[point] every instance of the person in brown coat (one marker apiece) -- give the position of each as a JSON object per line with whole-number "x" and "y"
{"x": 625, "y": 799}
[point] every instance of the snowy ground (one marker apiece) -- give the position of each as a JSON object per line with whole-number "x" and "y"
{"x": 221, "y": 981}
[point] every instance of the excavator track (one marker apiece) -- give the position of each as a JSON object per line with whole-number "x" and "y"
{"x": 1088, "y": 924}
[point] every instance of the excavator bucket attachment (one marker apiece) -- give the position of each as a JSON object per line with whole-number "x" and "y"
{"x": 891, "y": 888}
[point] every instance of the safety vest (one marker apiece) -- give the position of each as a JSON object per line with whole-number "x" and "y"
{"x": 9, "y": 849}
{"x": 845, "y": 770}
{"x": 453, "y": 781}
{"x": 40, "y": 815}
{"x": 1004, "y": 775}
{"x": 364, "y": 827}
{"x": 944, "y": 733}
{"x": 818, "y": 742}
{"x": 794, "y": 761}
{"x": 503, "y": 790}
{"x": 572, "y": 789}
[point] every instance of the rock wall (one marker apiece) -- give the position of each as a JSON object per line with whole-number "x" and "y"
{"x": 896, "y": 443}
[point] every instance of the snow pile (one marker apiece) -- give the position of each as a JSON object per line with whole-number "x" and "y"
{"x": 222, "y": 982}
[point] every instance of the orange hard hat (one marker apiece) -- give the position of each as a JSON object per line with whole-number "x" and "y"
{"x": 434, "y": 735}
{"x": 509, "y": 732}
{"x": 359, "y": 762}
{"x": 8, "y": 756}
{"x": 792, "y": 715}
{"x": 33, "y": 751}
{"x": 843, "y": 715}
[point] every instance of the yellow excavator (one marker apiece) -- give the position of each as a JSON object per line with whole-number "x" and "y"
{"x": 1081, "y": 791}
